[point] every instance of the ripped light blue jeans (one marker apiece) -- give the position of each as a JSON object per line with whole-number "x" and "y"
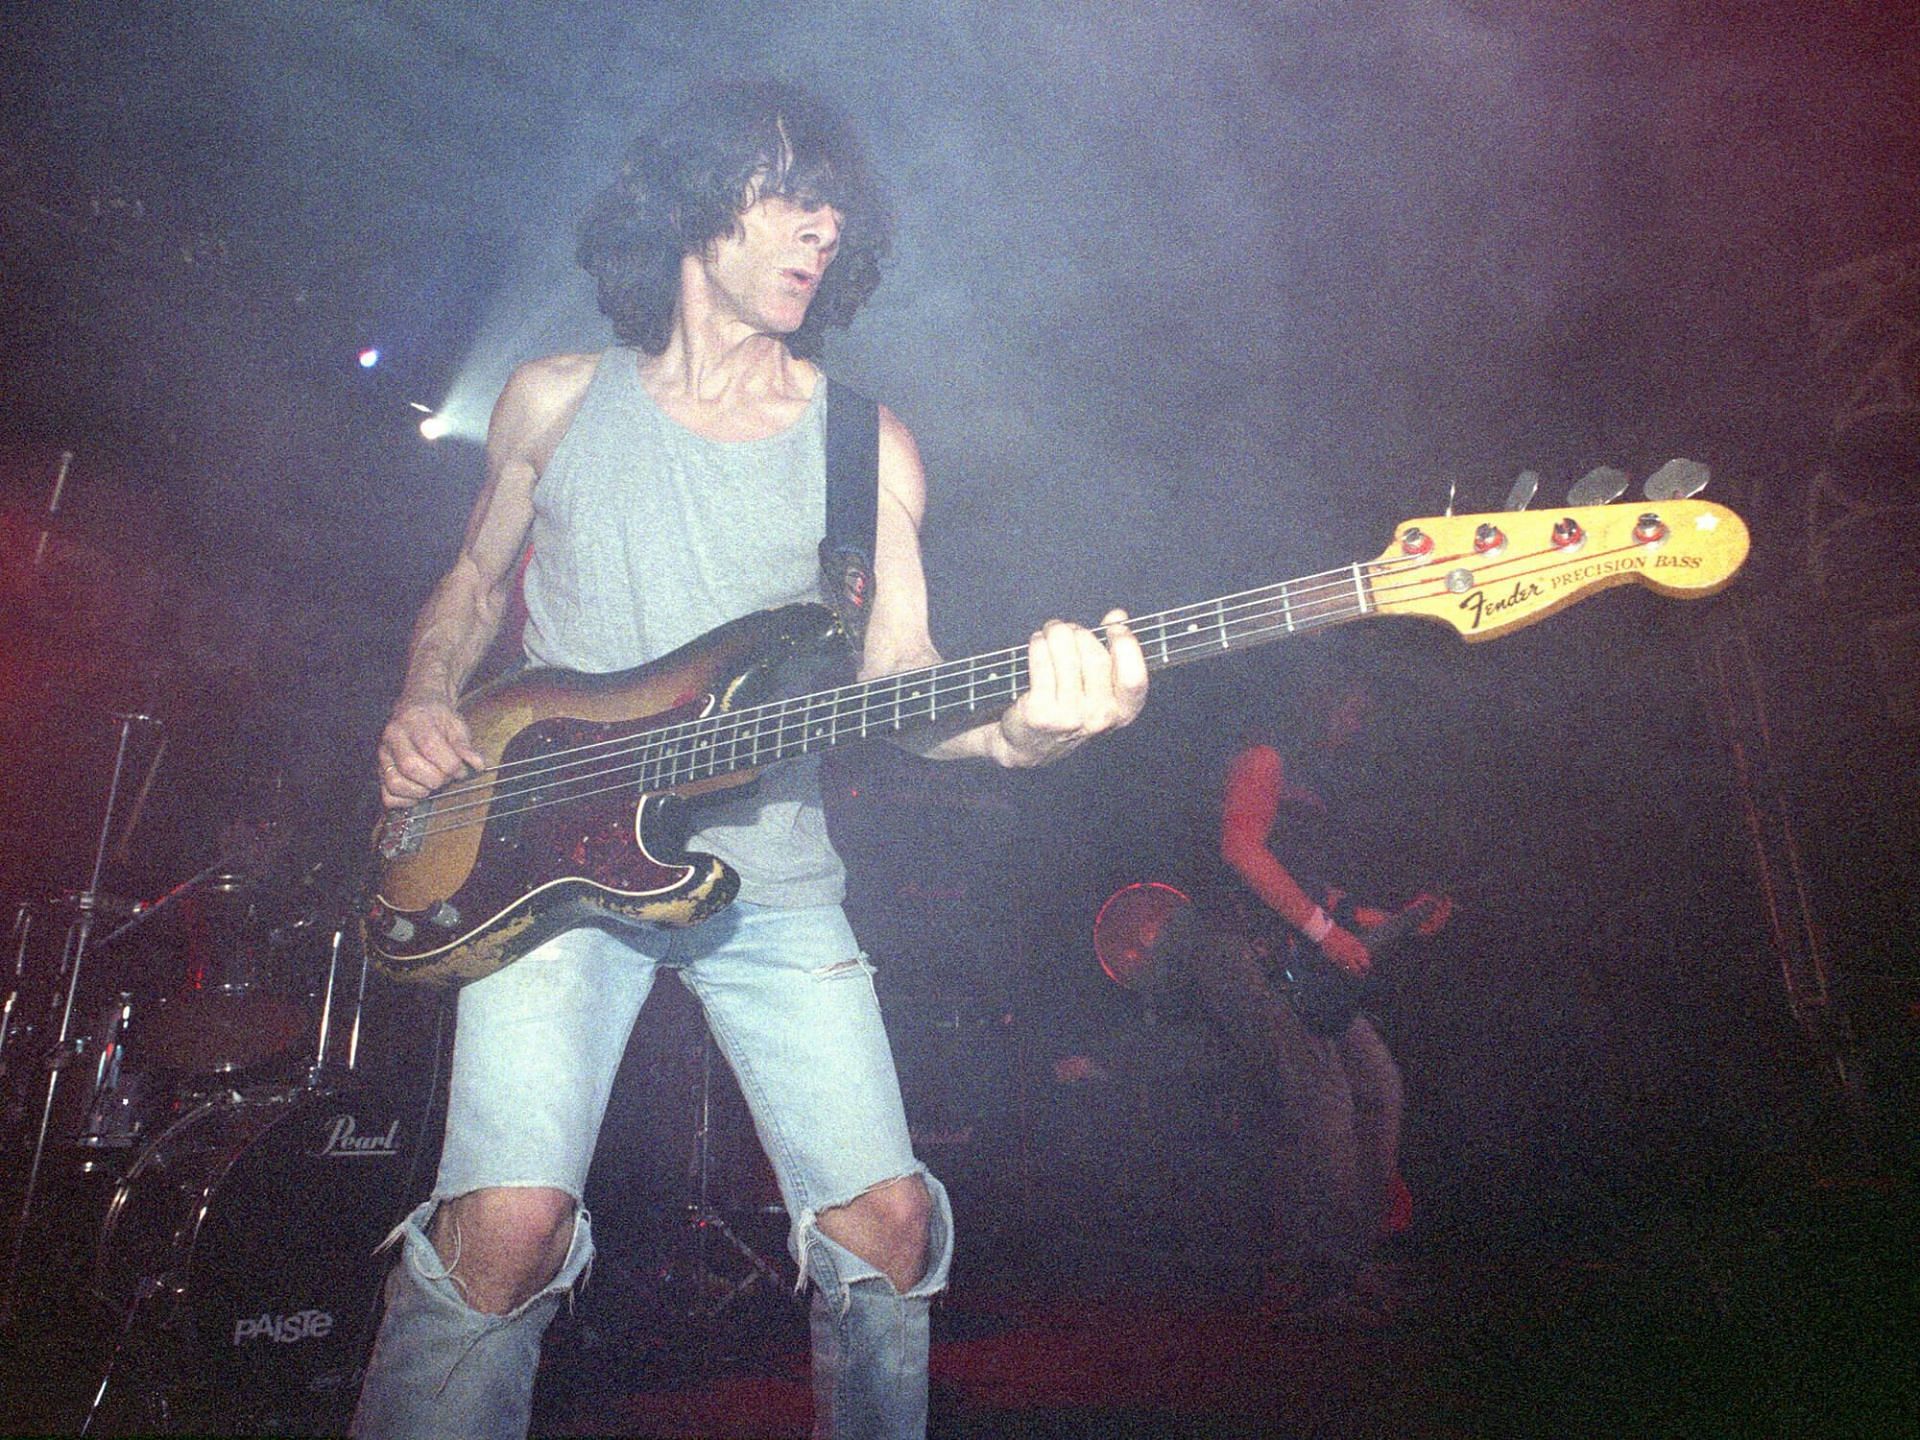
{"x": 790, "y": 1001}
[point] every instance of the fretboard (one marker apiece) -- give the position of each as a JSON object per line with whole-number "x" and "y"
{"x": 759, "y": 735}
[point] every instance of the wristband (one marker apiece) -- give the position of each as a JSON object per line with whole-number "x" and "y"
{"x": 1319, "y": 925}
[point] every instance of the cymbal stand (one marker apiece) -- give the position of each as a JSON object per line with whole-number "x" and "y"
{"x": 64, "y": 1050}
{"x": 11, "y": 1020}
{"x": 322, "y": 1068}
{"x": 712, "y": 1292}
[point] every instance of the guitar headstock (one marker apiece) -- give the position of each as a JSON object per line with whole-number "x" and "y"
{"x": 1488, "y": 574}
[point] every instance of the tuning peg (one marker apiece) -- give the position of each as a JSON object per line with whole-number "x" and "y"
{"x": 1452, "y": 487}
{"x": 1525, "y": 486}
{"x": 1678, "y": 480}
{"x": 1601, "y": 485}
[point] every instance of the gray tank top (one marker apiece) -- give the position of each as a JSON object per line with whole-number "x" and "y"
{"x": 646, "y": 536}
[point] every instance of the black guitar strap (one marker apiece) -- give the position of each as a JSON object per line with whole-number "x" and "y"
{"x": 853, "y": 507}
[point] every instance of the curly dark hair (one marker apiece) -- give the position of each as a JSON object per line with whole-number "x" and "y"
{"x": 686, "y": 181}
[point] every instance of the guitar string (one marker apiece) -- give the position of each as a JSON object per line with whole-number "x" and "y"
{"x": 1174, "y": 651}
{"x": 954, "y": 676}
{"x": 660, "y": 745}
{"x": 1301, "y": 590}
{"x": 913, "y": 689}
{"x": 683, "y": 729}
{"x": 500, "y": 811}
{"x": 730, "y": 727}
{"x": 910, "y": 688}
{"x": 1305, "y": 591}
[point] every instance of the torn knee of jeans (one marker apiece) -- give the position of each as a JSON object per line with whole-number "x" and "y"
{"x": 571, "y": 1273}
{"x": 819, "y": 1256}
{"x": 830, "y": 1265}
{"x": 854, "y": 965}
{"x": 418, "y": 1246}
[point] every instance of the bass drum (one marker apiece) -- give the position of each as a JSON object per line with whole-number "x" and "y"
{"x": 238, "y": 1254}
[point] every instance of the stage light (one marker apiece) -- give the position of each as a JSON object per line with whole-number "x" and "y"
{"x": 369, "y": 357}
{"x": 443, "y": 424}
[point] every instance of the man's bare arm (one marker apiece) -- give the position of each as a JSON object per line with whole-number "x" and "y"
{"x": 1078, "y": 686}
{"x": 425, "y": 742}
{"x": 1256, "y": 784}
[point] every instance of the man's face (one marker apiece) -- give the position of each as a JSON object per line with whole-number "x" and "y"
{"x": 767, "y": 272}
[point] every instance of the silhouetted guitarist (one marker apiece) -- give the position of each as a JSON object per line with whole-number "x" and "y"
{"x": 1285, "y": 976}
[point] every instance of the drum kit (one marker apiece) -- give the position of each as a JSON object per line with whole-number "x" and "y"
{"x": 198, "y": 1169}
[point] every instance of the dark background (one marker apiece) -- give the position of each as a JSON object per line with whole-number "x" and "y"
{"x": 1185, "y": 298}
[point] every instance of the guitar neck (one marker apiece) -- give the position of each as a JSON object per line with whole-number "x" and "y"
{"x": 1387, "y": 935}
{"x": 985, "y": 684}
{"x": 1485, "y": 575}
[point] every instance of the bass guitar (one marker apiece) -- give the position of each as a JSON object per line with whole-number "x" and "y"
{"x": 562, "y": 825}
{"x": 1324, "y": 996}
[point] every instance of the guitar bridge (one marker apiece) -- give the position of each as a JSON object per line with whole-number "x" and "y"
{"x": 404, "y": 832}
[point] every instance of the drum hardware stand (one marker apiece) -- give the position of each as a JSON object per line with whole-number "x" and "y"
{"x": 18, "y": 942}
{"x": 713, "y": 1293}
{"x": 147, "y": 909}
{"x": 53, "y": 508}
{"x": 318, "y": 1072}
{"x": 149, "y": 1289}
{"x": 65, "y": 1044}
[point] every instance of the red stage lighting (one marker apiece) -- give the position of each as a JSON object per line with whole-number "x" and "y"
{"x": 1135, "y": 932}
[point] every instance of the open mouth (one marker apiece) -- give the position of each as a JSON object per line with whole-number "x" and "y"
{"x": 805, "y": 279}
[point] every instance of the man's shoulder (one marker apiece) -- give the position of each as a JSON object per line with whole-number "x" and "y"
{"x": 549, "y": 389}
{"x": 554, "y": 374}
{"x": 538, "y": 403}
{"x": 1256, "y": 762}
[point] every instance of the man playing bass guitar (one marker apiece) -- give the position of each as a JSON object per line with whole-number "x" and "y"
{"x": 1284, "y": 975}
{"x": 666, "y": 485}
